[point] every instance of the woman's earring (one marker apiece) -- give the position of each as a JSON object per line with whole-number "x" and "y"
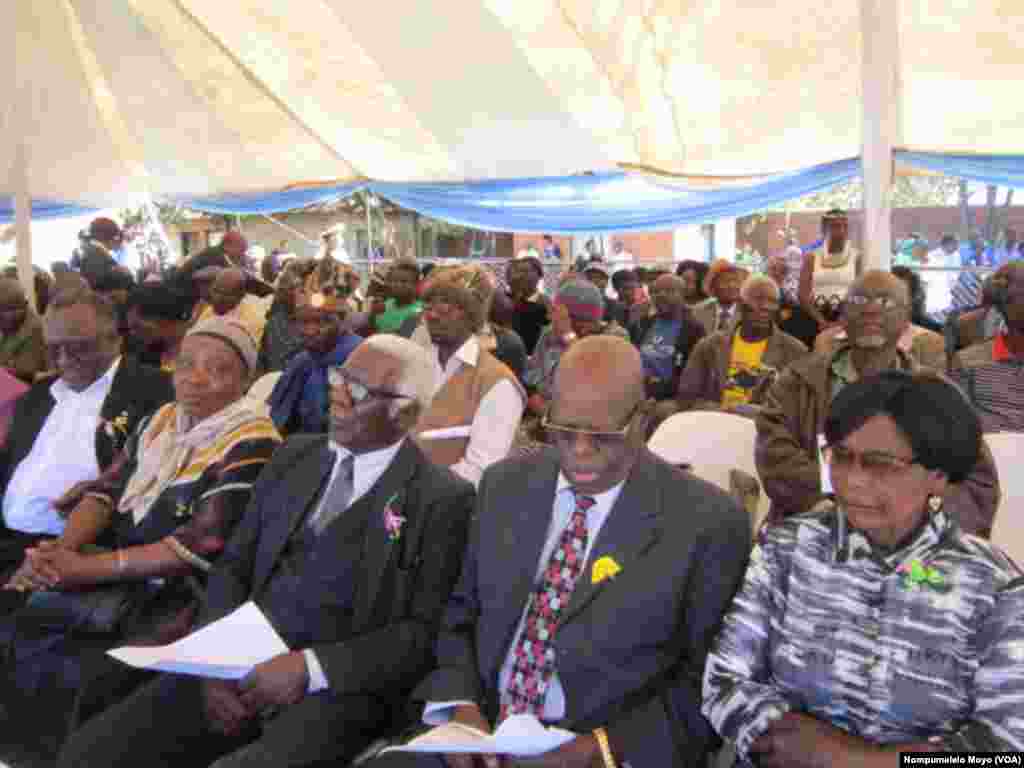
{"x": 934, "y": 502}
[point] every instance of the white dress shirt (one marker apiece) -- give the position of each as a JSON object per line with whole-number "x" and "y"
{"x": 437, "y": 713}
{"x": 63, "y": 453}
{"x": 366, "y": 471}
{"x": 495, "y": 423}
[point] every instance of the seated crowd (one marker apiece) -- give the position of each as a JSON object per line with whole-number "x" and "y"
{"x": 443, "y": 502}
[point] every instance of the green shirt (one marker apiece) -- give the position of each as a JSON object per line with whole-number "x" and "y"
{"x": 391, "y": 319}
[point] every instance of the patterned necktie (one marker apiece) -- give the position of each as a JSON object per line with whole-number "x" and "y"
{"x": 724, "y": 315}
{"x": 534, "y": 652}
{"x": 336, "y": 499}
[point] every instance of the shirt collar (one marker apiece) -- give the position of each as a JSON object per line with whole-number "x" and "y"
{"x": 608, "y": 496}
{"x": 469, "y": 352}
{"x": 842, "y": 366}
{"x": 853, "y": 544}
{"x": 61, "y": 390}
{"x": 371, "y": 461}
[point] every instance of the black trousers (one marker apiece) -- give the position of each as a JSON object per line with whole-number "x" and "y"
{"x": 405, "y": 760}
{"x": 12, "y": 549}
{"x": 163, "y": 724}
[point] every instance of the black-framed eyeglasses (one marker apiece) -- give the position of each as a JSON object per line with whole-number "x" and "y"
{"x": 878, "y": 464}
{"x": 359, "y": 392}
{"x": 603, "y": 438}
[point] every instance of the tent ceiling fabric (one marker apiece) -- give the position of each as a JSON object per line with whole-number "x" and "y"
{"x": 112, "y": 99}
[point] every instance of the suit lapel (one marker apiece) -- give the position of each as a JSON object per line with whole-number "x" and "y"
{"x": 723, "y": 356}
{"x": 521, "y": 539}
{"x": 774, "y": 351}
{"x": 305, "y": 488}
{"x": 113, "y": 405}
{"x": 633, "y": 525}
{"x": 392, "y": 488}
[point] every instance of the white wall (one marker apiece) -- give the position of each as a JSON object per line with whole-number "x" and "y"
{"x": 689, "y": 242}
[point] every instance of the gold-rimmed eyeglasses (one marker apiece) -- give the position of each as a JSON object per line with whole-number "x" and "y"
{"x": 603, "y": 438}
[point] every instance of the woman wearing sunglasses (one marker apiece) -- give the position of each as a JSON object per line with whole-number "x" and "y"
{"x": 876, "y": 626}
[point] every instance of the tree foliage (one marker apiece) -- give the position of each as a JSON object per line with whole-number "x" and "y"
{"x": 907, "y": 192}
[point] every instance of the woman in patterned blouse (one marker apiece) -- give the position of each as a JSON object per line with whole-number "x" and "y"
{"x": 168, "y": 507}
{"x": 876, "y": 626}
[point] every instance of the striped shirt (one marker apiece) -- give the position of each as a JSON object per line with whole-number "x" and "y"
{"x": 827, "y": 625}
{"x": 994, "y": 382}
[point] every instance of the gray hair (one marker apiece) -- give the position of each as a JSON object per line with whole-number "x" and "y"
{"x": 754, "y": 281}
{"x": 416, "y": 376}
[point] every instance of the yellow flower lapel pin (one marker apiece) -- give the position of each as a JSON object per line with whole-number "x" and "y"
{"x": 604, "y": 568}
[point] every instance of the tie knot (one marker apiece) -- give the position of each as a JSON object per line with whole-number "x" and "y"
{"x": 584, "y": 503}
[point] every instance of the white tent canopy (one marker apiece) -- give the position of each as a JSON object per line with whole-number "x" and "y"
{"x": 112, "y": 98}
{"x": 106, "y": 101}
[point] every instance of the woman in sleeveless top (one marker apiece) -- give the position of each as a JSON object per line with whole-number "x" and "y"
{"x": 827, "y": 275}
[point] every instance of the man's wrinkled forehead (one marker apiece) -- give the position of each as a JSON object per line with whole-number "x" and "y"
{"x": 880, "y": 284}
{"x": 374, "y": 367}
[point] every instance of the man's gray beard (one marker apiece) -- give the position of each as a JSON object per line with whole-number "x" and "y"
{"x": 831, "y": 247}
{"x": 870, "y": 342}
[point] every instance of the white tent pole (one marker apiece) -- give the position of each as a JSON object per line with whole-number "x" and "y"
{"x": 369, "y": 229}
{"x": 23, "y": 224}
{"x": 880, "y": 88}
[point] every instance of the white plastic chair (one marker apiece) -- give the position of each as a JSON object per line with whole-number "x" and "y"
{"x": 712, "y": 443}
{"x": 263, "y": 386}
{"x": 1008, "y": 528}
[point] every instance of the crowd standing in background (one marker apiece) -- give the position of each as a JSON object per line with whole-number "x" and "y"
{"x": 434, "y": 483}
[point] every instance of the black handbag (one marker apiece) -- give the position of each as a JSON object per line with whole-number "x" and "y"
{"x": 97, "y": 610}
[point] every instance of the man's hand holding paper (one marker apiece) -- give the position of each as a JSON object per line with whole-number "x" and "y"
{"x": 276, "y": 682}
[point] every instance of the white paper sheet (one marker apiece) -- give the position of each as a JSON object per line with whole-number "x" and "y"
{"x": 445, "y": 433}
{"x": 518, "y": 736}
{"x": 227, "y": 649}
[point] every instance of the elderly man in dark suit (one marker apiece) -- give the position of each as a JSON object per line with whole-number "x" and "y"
{"x": 70, "y": 427}
{"x": 351, "y": 549}
{"x": 595, "y": 579}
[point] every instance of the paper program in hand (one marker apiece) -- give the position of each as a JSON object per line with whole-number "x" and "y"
{"x": 517, "y": 736}
{"x": 227, "y": 649}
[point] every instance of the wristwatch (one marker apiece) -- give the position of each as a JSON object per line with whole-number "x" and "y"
{"x": 568, "y": 338}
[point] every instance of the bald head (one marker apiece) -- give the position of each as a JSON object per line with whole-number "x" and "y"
{"x": 1008, "y": 294}
{"x": 1013, "y": 272}
{"x": 605, "y": 370}
{"x": 230, "y": 280}
{"x": 669, "y": 282}
{"x": 227, "y": 291}
{"x": 596, "y": 421}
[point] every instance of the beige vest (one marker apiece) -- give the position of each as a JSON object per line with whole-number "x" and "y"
{"x": 456, "y": 404}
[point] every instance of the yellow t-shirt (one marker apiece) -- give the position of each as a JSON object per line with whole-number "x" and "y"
{"x": 745, "y": 371}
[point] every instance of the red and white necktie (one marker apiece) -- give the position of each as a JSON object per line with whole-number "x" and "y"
{"x": 535, "y": 650}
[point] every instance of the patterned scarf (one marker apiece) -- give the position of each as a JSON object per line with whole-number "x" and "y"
{"x": 167, "y": 444}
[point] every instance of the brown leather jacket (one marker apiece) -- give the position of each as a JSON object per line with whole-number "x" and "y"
{"x": 786, "y": 452}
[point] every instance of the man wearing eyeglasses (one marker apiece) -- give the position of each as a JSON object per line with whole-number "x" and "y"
{"x": 70, "y": 427}
{"x": 595, "y": 578}
{"x": 350, "y": 547}
{"x": 876, "y": 312}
